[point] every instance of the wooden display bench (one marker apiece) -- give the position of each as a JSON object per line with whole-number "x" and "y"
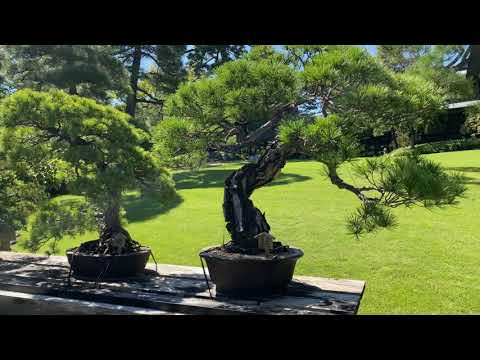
{"x": 33, "y": 284}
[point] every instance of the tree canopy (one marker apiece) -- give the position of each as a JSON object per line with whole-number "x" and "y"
{"x": 323, "y": 106}
{"x": 99, "y": 143}
{"x": 86, "y": 70}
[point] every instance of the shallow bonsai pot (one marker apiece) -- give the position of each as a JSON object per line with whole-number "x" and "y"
{"x": 107, "y": 267}
{"x": 250, "y": 275}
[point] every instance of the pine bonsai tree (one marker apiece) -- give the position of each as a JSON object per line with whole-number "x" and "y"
{"x": 352, "y": 92}
{"x": 103, "y": 149}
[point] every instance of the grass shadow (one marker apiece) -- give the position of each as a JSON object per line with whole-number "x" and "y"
{"x": 467, "y": 169}
{"x": 464, "y": 168}
{"x": 471, "y": 180}
{"x": 141, "y": 208}
{"x": 215, "y": 178}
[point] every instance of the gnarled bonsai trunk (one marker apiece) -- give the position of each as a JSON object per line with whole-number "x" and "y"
{"x": 244, "y": 220}
{"x": 114, "y": 239}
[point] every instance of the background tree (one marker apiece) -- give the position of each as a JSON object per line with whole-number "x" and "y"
{"x": 301, "y": 55}
{"x": 86, "y": 70}
{"x": 177, "y": 144}
{"x": 437, "y": 67}
{"x": 469, "y": 61}
{"x": 148, "y": 86}
{"x": 400, "y": 57}
{"x": 3, "y": 82}
{"x": 98, "y": 142}
{"x": 203, "y": 59}
{"x": 436, "y": 63}
{"x": 169, "y": 67}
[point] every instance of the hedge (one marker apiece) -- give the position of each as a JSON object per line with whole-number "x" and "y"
{"x": 441, "y": 146}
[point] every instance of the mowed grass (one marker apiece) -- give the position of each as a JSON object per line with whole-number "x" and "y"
{"x": 428, "y": 264}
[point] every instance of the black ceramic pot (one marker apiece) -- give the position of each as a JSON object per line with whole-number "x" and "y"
{"x": 108, "y": 266}
{"x": 250, "y": 275}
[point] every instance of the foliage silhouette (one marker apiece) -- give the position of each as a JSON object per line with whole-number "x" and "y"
{"x": 140, "y": 208}
{"x": 213, "y": 178}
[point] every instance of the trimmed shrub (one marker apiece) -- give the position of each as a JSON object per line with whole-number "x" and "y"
{"x": 440, "y": 146}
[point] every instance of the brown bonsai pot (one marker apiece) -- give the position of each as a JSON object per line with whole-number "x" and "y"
{"x": 250, "y": 275}
{"x": 107, "y": 267}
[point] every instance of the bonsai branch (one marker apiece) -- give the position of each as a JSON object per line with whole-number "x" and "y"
{"x": 340, "y": 183}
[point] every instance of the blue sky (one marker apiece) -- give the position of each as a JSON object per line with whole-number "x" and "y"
{"x": 371, "y": 49}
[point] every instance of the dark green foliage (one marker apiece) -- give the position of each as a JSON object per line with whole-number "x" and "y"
{"x": 400, "y": 57}
{"x": 369, "y": 217}
{"x": 202, "y": 59}
{"x": 17, "y": 200}
{"x": 167, "y": 70}
{"x": 441, "y": 146}
{"x": 434, "y": 63}
{"x": 300, "y": 55}
{"x": 410, "y": 179}
{"x": 56, "y": 220}
{"x": 322, "y": 139}
{"x": 98, "y": 143}
{"x": 3, "y": 64}
{"x": 472, "y": 122}
{"x": 87, "y": 70}
{"x": 178, "y": 144}
{"x": 149, "y": 86}
{"x": 241, "y": 97}
{"x": 401, "y": 181}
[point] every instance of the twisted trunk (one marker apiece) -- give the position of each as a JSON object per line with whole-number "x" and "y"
{"x": 114, "y": 239}
{"x": 244, "y": 220}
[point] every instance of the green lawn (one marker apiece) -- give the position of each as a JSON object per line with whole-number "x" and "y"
{"x": 429, "y": 264}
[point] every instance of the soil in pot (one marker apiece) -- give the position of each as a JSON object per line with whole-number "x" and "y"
{"x": 246, "y": 275}
{"x": 87, "y": 264}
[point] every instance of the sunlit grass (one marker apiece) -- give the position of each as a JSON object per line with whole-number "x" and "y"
{"x": 429, "y": 264}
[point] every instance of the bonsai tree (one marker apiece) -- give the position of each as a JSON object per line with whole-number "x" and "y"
{"x": 352, "y": 92}
{"x": 102, "y": 148}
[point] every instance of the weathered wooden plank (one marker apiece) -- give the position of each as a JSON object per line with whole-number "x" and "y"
{"x": 323, "y": 284}
{"x": 178, "y": 289}
{"x": 168, "y": 302}
{"x": 17, "y": 303}
{"x": 176, "y": 285}
{"x": 336, "y": 285}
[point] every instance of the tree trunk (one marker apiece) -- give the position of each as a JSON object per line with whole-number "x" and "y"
{"x": 6, "y": 236}
{"x": 244, "y": 220}
{"x": 412, "y": 139}
{"x": 134, "y": 76}
{"x": 111, "y": 216}
{"x": 394, "y": 138}
{"x": 114, "y": 239}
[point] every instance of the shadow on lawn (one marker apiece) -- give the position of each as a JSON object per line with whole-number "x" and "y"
{"x": 466, "y": 169}
{"x": 140, "y": 208}
{"x": 211, "y": 178}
